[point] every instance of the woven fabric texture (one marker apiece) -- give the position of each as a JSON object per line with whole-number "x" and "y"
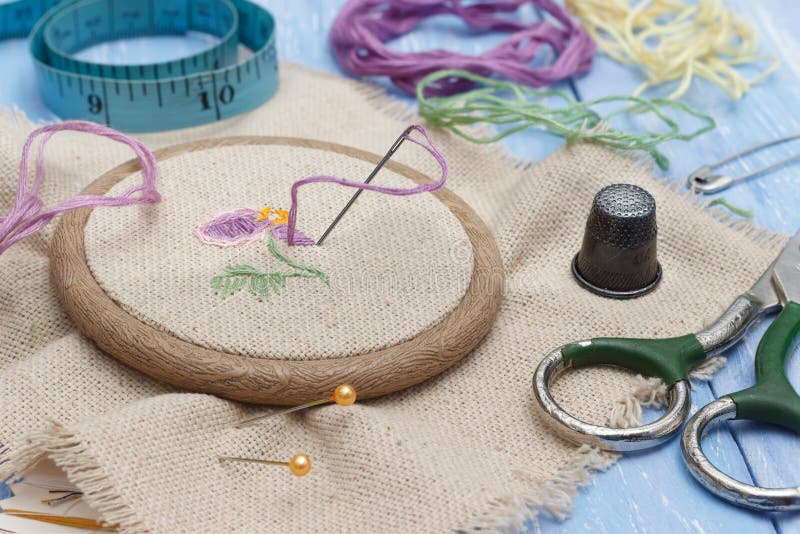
{"x": 462, "y": 450}
{"x": 397, "y": 265}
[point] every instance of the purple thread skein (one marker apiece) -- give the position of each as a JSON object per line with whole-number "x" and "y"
{"x": 422, "y": 188}
{"x": 28, "y": 215}
{"x": 362, "y": 27}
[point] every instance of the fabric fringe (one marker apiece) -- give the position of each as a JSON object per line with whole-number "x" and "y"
{"x": 74, "y": 457}
{"x": 14, "y": 461}
{"x": 555, "y": 497}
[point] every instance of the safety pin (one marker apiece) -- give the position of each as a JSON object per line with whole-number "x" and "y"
{"x": 704, "y": 181}
{"x": 372, "y": 175}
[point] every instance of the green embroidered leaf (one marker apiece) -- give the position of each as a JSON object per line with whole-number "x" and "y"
{"x": 261, "y": 283}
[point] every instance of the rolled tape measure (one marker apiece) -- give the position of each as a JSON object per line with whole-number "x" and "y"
{"x": 209, "y": 86}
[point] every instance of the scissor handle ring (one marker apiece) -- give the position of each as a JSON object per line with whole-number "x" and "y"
{"x": 717, "y": 482}
{"x": 612, "y": 439}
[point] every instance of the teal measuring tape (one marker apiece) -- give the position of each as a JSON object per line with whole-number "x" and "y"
{"x": 209, "y": 86}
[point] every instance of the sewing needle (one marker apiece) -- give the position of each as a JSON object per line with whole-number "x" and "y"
{"x": 374, "y": 172}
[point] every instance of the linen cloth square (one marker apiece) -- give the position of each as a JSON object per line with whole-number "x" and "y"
{"x": 459, "y": 451}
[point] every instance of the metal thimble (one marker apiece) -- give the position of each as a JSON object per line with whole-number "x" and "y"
{"x": 618, "y": 256}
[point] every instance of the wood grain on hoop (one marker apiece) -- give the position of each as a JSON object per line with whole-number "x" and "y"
{"x": 265, "y": 381}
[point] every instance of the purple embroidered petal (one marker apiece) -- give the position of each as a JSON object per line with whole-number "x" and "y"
{"x": 280, "y": 232}
{"x": 232, "y": 228}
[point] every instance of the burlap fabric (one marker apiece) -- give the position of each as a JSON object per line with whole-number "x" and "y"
{"x": 459, "y": 451}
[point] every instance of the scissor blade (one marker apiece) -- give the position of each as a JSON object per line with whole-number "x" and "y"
{"x": 763, "y": 292}
{"x": 786, "y": 272}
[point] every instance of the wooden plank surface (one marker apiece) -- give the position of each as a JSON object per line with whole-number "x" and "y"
{"x": 651, "y": 491}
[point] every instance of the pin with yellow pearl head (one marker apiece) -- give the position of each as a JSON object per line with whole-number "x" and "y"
{"x": 299, "y": 464}
{"x": 344, "y": 395}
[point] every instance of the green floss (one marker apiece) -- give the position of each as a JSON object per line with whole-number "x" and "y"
{"x": 517, "y": 107}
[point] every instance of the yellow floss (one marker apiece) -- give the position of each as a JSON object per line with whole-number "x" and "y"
{"x": 675, "y": 40}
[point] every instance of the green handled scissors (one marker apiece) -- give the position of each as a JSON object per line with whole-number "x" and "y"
{"x": 771, "y": 400}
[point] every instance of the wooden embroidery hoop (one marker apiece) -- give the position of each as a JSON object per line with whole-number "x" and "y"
{"x": 265, "y": 381}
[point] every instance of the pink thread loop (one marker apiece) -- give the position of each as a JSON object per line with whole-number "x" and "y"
{"x": 422, "y": 188}
{"x": 27, "y": 215}
{"x": 363, "y": 26}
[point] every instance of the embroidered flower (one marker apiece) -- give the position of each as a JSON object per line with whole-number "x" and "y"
{"x": 244, "y": 225}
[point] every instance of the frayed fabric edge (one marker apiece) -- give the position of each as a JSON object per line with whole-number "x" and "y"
{"x": 555, "y": 497}
{"x": 75, "y": 458}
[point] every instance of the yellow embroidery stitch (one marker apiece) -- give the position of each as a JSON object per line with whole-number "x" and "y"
{"x": 282, "y": 216}
{"x": 263, "y": 215}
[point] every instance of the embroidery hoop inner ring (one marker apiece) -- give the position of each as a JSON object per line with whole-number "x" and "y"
{"x": 167, "y": 358}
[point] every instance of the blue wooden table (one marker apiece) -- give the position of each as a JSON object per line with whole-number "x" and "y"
{"x": 644, "y": 492}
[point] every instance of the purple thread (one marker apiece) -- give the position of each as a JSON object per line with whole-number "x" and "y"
{"x": 363, "y": 26}
{"x": 422, "y": 188}
{"x": 27, "y": 215}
